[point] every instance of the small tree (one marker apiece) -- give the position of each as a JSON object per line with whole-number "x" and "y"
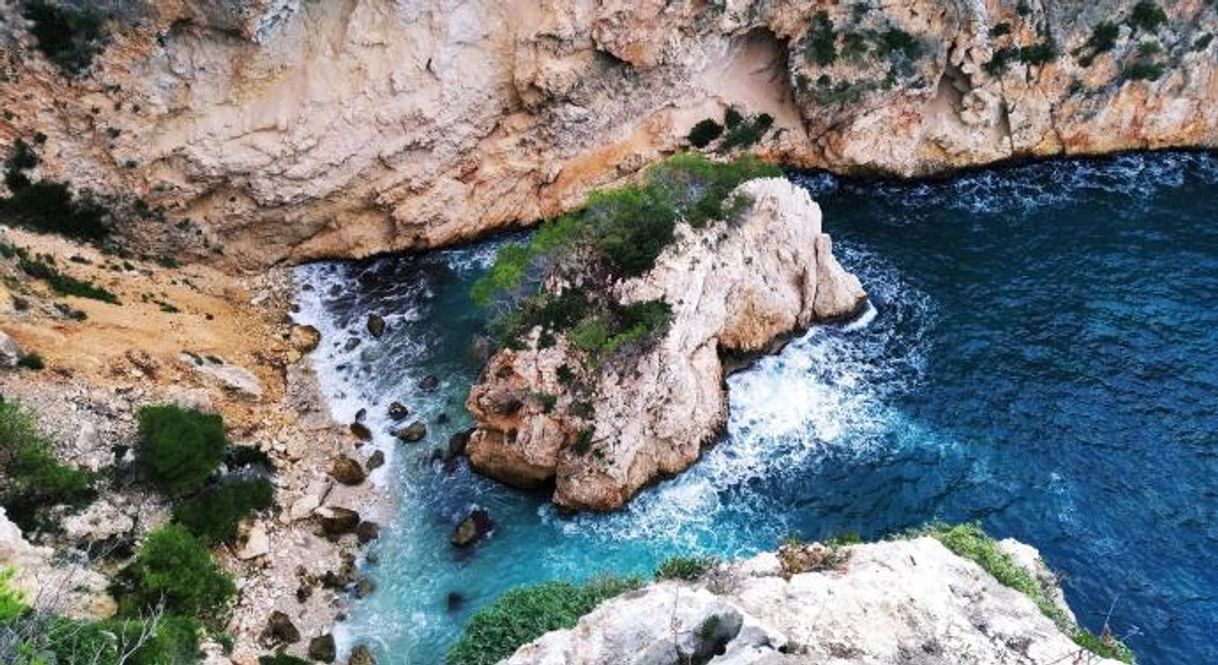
{"x": 179, "y": 448}
{"x": 214, "y": 514}
{"x": 174, "y": 568}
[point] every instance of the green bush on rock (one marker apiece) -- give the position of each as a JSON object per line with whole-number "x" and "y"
{"x": 526, "y": 613}
{"x": 685, "y": 568}
{"x": 213, "y": 514}
{"x": 179, "y": 448}
{"x": 174, "y": 568}
{"x": 69, "y": 36}
{"x": 971, "y": 542}
{"x": 618, "y": 234}
{"x": 33, "y": 479}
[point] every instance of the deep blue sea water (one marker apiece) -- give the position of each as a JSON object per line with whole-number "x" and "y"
{"x": 1042, "y": 357}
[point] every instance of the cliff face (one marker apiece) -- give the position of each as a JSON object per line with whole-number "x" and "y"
{"x": 891, "y": 602}
{"x": 604, "y": 428}
{"x": 281, "y": 130}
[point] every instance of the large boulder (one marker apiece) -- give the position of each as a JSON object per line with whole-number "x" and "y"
{"x": 347, "y": 471}
{"x": 10, "y": 351}
{"x": 607, "y": 429}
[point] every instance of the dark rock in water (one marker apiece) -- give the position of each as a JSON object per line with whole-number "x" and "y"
{"x": 364, "y": 588}
{"x": 306, "y": 287}
{"x": 457, "y": 443}
{"x": 322, "y": 649}
{"x": 430, "y": 382}
{"x": 352, "y": 343}
{"x": 454, "y": 601}
{"x": 333, "y": 580}
{"x": 360, "y": 415}
{"x": 473, "y": 528}
{"x": 280, "y": 629}
{"x": 412, "y": 433}
{"x": 442, "y": 419}
{"x": 303, "y": 593}
{"x": 337, "y": 521}
{"x": 375, "y": 461}
{"x": 361, "y": 431}
{"x": 335, "y": 291}
{"x": 361, "y": 655}
{"x": 367, "y": 532}
{"x": 347, "y": 471}
{"x": 376, "y": 325}
{"x": 397, "y": 410}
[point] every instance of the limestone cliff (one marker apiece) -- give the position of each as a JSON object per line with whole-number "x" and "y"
{"x": 603, "y": 428}
{"x": 281, "y": 130}
{"x": 904, "y": 601}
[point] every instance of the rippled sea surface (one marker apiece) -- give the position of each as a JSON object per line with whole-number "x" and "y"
{"x": 1042, "y": 357}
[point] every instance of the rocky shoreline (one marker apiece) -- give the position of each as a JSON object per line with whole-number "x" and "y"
{"x": 226, "y": 345}
{"x": 908, "y": 600}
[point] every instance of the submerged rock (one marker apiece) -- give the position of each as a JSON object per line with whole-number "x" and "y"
{"x": 367, "y": 532}
{"x": 429, "y": 383}
{"x": 412, "y": 433}
{"x": 398, "y": 411}
{"x": 902, "y": 601}
{"x": 376, "y": 325}
{"x": 607, "y": 429}
{"x": 476, "y": 526}
{"x": 361, "y": 655}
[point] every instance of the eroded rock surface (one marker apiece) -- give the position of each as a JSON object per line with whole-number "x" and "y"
{"x": 611, "y": 427}
{"x": 285, "y": 130}
{"x": 905, "y": 601}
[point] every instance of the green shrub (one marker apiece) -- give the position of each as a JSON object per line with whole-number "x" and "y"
{"x": 46, "y": 206}
{"x": 525, "y": 613}
{"x": 747, "y": 133}
{"x": 1143, "y": 70}
{"x": 32, "y": 361}
{"x": 972, "y": 543}
{"x": 175, "y": 567}
{"x": 12, "y": 601}
{"x": 1149, "y": 48}
{"x": 169, "y": 640}
{"x": 65, "y": 285}
{"x": 179, "y": 448}
{"x": 33, "y": 478}
{"x": 619, "y": 233}
{"x": 821, "y": 40}
{"x": 213, "y": 514}
{"x": 685, "y": 567}
{"x": 1000, "y": 29}
{"x": 1103, "y": 38}
{"x": 703, "y": 133}
{"x": 70, "y": 37}
{"x": 895, "y": 40}
{"x": 1147, "y": 15}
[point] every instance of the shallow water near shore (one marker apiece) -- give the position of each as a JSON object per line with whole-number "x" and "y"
{"x": 1042, "y": 357}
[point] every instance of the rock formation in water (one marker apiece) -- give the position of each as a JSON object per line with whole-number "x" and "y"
{"x": 602, "y": 429}
{"x": 279, "y": 129}
{"x": 903, "y": 601}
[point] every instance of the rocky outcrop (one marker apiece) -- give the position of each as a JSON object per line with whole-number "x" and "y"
{"x": 603, "y": 429}
{"x": 52, "y": 583}
{"x": 902, "y": 601}
{"x": 284, "y": 130}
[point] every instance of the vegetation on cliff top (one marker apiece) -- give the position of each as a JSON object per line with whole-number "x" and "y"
{"x": 526, "y": 613}
{"x": 618, "y": 234}
{"x": 971, "y": 542}
{"x": 47, "y": 206}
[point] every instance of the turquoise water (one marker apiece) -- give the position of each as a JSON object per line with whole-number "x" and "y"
{"x": 1042, "y": 357}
